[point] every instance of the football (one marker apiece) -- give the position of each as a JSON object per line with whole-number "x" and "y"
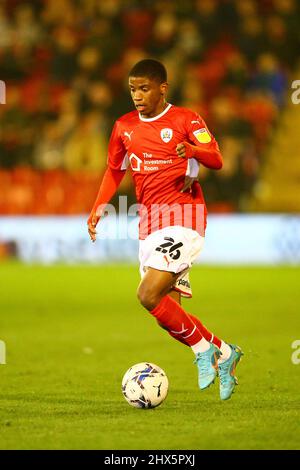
{"x": 145, "y": 385}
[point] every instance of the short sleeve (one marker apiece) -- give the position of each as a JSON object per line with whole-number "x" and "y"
{"x": 117, "y": 156}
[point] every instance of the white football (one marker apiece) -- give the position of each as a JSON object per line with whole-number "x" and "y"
{"x": 145, "y": 385}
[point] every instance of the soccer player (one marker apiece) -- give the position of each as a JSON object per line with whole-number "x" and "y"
{"x": 163, "y": 145}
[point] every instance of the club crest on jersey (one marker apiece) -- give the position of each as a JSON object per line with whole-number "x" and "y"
{"x": 166, "y": 134}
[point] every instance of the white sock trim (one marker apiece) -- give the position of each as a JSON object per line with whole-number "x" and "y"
{"x": 225, "y": 351}
{"x": 201, "y": 346}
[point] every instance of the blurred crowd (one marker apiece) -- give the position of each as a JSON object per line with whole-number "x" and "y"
{"x": 65, "y": 65}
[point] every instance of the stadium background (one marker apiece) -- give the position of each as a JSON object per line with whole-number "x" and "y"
{"x": 65, "y": 67}
{"x": 65, "y": 70}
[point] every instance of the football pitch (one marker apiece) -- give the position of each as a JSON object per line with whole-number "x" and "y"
{"x": 71, "y": 332}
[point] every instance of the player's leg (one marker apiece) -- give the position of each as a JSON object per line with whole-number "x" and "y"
{"x": 183, "y": 287}
{"x": 229, "y": 359}
{"x": 208, "y": 335}
{"x": 154, "y": 285}
{"x": 153, "y": 295}
{"x": 175, "y": 295}
{"x": 212, "y": 338}
{"x": 154, "y": 292}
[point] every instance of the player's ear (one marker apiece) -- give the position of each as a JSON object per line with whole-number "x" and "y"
{"x": 164, "y": 88}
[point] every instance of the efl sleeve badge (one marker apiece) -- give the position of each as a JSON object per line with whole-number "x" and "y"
{"x": 202, "y": 135}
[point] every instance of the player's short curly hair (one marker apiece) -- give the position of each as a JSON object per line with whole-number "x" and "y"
{"x": 149, "y": 68}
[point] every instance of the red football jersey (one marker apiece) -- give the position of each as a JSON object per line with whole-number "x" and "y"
{"x": 148, "y": 146}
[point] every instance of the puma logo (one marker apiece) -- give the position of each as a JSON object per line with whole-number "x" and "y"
{"x": 195, "y": 122}
{"x": 158, "y": 388}
{"x": 183, "y": 330}
{"x": 127, "y": 134}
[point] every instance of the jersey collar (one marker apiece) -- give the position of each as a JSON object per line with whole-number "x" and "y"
{"x": 156, "y": 117}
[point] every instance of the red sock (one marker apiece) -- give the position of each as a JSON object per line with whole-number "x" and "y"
{"x": 175, "y": 336}
{"x": 173, "y": 318}
{"x": 210, "y": 337}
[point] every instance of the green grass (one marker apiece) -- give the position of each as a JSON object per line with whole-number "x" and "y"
{"x": 56, "y": 394}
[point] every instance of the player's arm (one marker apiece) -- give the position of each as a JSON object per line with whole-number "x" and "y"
{"x": 111, "y": 180}
{"x": 109, "y": 185}
{"x": 202, "y": 145}
{"x": 211, "y": 158}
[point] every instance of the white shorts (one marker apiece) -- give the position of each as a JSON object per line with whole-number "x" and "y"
{"x": 172, "y": 249}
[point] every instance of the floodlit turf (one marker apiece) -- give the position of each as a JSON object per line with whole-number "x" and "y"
{"x": 71, "y": 333}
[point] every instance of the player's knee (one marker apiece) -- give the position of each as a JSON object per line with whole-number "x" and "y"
{"x": 148, "y": 298}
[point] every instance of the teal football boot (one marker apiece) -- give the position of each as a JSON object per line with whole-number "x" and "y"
{"x": 226, "y": 372}
{"x": 207, "y": 363}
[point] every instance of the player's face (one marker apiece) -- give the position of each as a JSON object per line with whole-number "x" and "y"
{"x": 148, "y": 95}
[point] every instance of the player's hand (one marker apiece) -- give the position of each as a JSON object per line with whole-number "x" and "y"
{"x": 184, "y": 150}
{"x": 92, "y": 223}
